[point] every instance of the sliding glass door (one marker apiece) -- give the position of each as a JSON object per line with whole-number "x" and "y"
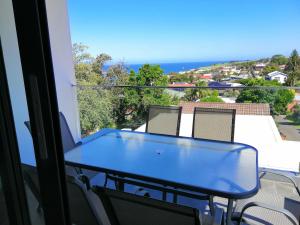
{"x": 32, "y": 172}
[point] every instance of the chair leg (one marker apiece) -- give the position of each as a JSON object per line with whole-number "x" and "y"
{"x": 164, "y": 195}
{"x": 105, "y": 181}
{"x": 174, "y": 198}
{"x": 211, "y": 205}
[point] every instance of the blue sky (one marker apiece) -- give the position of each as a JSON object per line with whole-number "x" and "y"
{"x": 137, "y": 31}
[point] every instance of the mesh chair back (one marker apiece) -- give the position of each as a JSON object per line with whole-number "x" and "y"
{"x": 214, "y": 124}
{"x": 67, "y": 138}
{"x": 164, "y": 120}
{"x": 128, "y": 209}
{"x": 85, "y": 207}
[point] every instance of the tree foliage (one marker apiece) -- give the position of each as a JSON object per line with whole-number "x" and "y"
{"x": 269, "y": 69}
{"x": 259, "y": 82}
{"x": 95, "y": 105}
{"x": 279, "y": 60}
{"x": 278, "y": 99}
{"x": 211, "y": 99}
{"x": 96, "y": 109}
{"x": 136, "y": 101}
{"x": 293, "y": 68}
{"x": 295, "y": 116}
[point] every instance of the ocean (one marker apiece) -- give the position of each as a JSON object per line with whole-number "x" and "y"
{"x": 173, "y": 67}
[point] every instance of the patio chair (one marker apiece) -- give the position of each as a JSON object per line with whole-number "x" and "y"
{"x": 163, "y": 120}
{"x": 68, "y": 144}
{"x": 277, "y": 202}
{"x": 85, "y": 206}
{"x": 128, "y": 209}
{"x": 67, "y": 137}
{"x": 214, "y": 124}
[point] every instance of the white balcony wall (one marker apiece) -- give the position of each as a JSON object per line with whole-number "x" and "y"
{"x": 63, "y": 68}
{"x": 61, "y": 48}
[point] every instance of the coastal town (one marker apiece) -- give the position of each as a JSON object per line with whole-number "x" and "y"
{"x": 229, "y": 74}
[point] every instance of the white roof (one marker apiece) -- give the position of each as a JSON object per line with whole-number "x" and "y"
{"x": 260, "y": 132}
{"x": 276, "y": 73}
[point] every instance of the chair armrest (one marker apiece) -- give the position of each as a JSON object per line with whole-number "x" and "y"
{"x": 289, "y": 215}
{"x": 263, "y": 172}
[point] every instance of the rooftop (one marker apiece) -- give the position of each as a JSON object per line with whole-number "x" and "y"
{"x": 241, "y": 108}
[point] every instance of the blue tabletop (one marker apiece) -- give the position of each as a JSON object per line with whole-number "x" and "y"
{"x": 219, "y": 168}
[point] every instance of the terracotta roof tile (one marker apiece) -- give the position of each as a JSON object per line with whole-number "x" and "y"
{"x": 241, "y": 108}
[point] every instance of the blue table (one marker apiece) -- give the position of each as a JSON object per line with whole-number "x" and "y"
{"x": 222, "y": 169}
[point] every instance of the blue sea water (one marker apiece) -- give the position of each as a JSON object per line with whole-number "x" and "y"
{"x": 173, "y": 67}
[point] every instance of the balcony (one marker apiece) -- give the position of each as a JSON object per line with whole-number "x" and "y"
{"x": 255, "y": 124}
{"x": 89, "y": 109}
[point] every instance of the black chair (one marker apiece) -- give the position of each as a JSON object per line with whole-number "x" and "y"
{"x": 85, "y": 206}
{"x": 214, "y": 124}
{"x": 163, "y": 120}
{"x": 277, "y": 201}
{"x": 68, "y": 144}
{"x": 67, "y": 137}
{"x": 128, "y": 209}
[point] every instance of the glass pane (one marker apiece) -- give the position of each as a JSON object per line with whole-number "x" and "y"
{"x": 19, "y": 106}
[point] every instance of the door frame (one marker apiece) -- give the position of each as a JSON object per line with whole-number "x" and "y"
{"x": 10, "y": 163}
{"x": 38, "y": 75}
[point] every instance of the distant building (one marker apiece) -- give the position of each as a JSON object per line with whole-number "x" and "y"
{"x": 282, "y": 67}
{"x": 206, "y": 76}
{"x": 179, "y": 86}
{"x": 276, "y": 75}
{"x": 260, "y": 66}
{"x": 218, "y": 84}
{"x": 240, "y": 76}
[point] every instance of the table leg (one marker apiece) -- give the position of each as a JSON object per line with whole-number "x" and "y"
{"x": 120, "y": 185}
{"x": 229, "y": 212}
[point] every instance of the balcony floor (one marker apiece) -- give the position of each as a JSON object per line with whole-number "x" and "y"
{"x": 274, "y": 191}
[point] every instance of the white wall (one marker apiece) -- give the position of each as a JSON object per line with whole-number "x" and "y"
{"x": 63, "y": 68}
{"x": 61, "y": 48}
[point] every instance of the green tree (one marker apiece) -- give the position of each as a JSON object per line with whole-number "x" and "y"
{"x": 99, "y": 62}
{"x": 249, "y": 82}
{"x": 137, "y": 100}
{"x": 270, "y": 68}
{"x": 95, "y": 109}
{"x": 293, "y": 68}
{"x": 283, "y": 97}
{"x": 296, "y": 114}
{"x": 279, "y": 60}
{"x": 179, "y": 78}
{"x": 117, "y": 75}
{"x": 193, "y": 94}
{"x": 95, "y": 105}
{"x": 80, "y": 54}
{"x": 278, "y": 99}
{"x": 83, "y": 65}
{"x": 211, "y": 99}
{"x": 256, "y": 96}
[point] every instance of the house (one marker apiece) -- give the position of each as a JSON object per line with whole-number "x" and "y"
{"x": 276, "y": 75}
{"x": 180, "y": 86}
{"x": 216, "y": 84}
{"x": 260, "y": 66}
{"x": 206, "y": 76}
